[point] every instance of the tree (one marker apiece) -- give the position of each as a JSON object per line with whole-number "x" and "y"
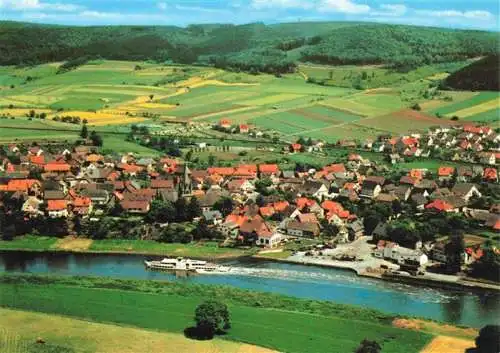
{"x": 84, "y": 133}
{"x": 181, "y": 210}
{"x": 416, "y": 107}
{"x": 151, "y": 96}
{"x": 211, "y": 317}
{"x": 225, "y": 205}
{"x": 488, "y": 340}
{"x": 368, "y": 346}
{"x": 96, "y": 139}
{"x": 454, "y": 251}
{"x": 189, "y": 155}
{"x": 160, "y": 211}
{"x": 211, "y": 160}
{"x": 193, "y": 208}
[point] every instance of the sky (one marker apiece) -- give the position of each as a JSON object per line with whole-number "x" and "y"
{"x": 474, "y": 14}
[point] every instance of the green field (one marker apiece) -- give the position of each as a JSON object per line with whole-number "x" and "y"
{"x": 169, "y": 307}
{"x": 209, "y": 249}
{"x": 16, "y": 130}
{"x": 372, "y": 76}
{"x": 205, "y": 250}
{"x": 20, "y": 329}
{"x": 33, "y": 243}
{"x": 288, "y": 105}
{"x": 482, "y": 97}
{"x": 492, "y": 116}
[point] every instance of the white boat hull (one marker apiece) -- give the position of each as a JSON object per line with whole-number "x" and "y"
{"x": 190, "y": 266}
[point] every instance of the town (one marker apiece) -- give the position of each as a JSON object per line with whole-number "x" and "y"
{"x": 356, "y": 213}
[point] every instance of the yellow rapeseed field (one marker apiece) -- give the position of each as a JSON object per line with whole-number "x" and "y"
{"x": 18, "y": 112}
{"x": 155, "y": 106}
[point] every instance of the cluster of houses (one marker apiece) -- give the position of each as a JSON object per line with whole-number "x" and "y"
{"x": 466, "y": 143}
{"x": 81, "y": 181}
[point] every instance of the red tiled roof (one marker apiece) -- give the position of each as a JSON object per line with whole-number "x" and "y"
{"x": 416, "y": 173}
{"x": 409, "y": 141}
{"x": 446, "y": 171}
{"x": 439, "y": 205}
{"x": 18, "y": 185}
{"x": 57, "y": 167}
{"x": 224, "y": 122}
{"x": 236, "y": 219}
{"x": 82, "y": 202}
{"x": 221, "y": 171}
{"x": 56, "y": 205}
{"x": 296, "y": 146}
{"x": 490, "y": 174}
{"x": 335, "y": 168}
{"x": 280, "y": 206}
{"x": 130, "y": 168}
{"x": 162, "y": 184}
{"x": 269, "y": 168}
{"x": 37, "y": 159}
{"x": 303, "y": 202}
{"x": 266, "y": 211}
{"x": 473, "y": 129}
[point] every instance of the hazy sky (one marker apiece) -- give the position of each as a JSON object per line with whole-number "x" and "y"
{"x": 481, "y": 14}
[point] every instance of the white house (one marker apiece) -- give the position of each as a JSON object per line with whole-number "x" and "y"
{"x": 269, "y": 241}
{"x": 393, "y": 251}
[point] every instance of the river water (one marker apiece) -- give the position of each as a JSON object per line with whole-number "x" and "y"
{"x": 471, "y": 309}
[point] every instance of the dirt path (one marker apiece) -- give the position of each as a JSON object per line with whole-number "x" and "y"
{"x": 73, "y": 244}
{"x": 444, "y": 344}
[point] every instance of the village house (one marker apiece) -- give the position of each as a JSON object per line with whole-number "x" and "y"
{"x": 372, "y": 186}
{"x": 271, "y": 240}
{"x": 57, "y": 208}
{"x": 298, "y": 229}
{"x": 445, "y": 173}
{"x": 135, "y": 207}
{"x": 466, "y": 191}
{"x": 400, "y": 255}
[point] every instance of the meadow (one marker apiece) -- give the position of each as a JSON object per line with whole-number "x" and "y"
{"x": 67, "y": 335}
{"x": 121, "y": 93}
{"x": 282, "y": 323}
{"x": 454, "y": 108}
{"x": 206, "y": 249}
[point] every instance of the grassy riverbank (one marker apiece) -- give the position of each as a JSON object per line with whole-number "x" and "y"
{"x": 21, "y": 329}
{"x": 278, "y": 322}
{"x": 147, "y": 247}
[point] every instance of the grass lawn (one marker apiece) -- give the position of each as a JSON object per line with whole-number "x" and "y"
{"x": 67, "y": 335}
{"x": 117, "y": 143}
{"x": 29, "y": 242}
{"x": 208, "y": 249}
{"x": 291, "y": 331}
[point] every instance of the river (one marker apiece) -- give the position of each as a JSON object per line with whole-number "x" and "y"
{"x": 471, "y": 309}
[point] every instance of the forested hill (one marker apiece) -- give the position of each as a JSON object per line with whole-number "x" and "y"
{"x": 253, "y": 47}
{"x": 482, "y": 75}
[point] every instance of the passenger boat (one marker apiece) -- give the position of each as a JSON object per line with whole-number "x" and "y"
{"x": 188, "y": 265}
